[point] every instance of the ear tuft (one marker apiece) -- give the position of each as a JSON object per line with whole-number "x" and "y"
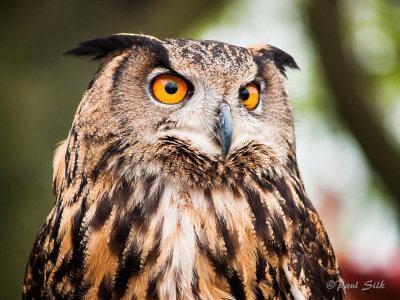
{"x": 102, "y": 46}
{"x": 281, "y": 59}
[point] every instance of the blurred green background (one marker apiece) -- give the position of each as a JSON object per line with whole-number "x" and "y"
{"x": 346, "y": 102}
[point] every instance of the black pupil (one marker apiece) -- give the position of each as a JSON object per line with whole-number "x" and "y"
{"x": 244, "y": 94}
{"x": 171, "y": 87}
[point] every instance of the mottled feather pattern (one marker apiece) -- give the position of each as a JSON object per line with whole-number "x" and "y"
{"x": 231, "y": 232}
{"x": 159, "y": 217}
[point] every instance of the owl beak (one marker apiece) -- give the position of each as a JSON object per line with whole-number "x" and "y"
{"x": 225, "y": 129}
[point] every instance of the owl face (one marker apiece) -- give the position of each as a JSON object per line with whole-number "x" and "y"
{"x": 213, "y": 97}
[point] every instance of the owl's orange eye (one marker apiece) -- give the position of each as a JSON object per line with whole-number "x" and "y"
{"x": 169, "y": 89}
{"x": 249, "y": 96}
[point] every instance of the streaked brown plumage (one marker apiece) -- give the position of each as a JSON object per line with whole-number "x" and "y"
{"x": 147, "y": 207}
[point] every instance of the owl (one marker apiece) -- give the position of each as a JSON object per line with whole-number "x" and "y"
{"x": 179, "y": 180}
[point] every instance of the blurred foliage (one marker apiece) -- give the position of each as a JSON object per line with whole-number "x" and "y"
{"x": 353, "y": 74}
{"x": 40, "y": 90}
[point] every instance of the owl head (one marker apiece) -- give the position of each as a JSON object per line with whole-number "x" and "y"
{"x": 182, "y": 106}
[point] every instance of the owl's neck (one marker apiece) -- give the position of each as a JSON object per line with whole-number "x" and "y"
{"x": 175, "y": 216}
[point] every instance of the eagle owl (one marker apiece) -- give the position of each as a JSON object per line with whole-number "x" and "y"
{"x": 179, "y": 180}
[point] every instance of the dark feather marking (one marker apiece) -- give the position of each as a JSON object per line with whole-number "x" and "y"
{"x": 221, "y": 267}
{"x": 286, "y": 194}
{"x": 165, "y": 124}
{"x": 263, "y": 182}
{"x": 235, "y": 190}
{"x": 195, "y": 284}
{"x": 76, "y": 158}
{"x": 259, "y": 294}
{"x": 151, "y": 293}
{"x": 57, "y": 294}
{"x": 258, "y": 210}
{"x": 120, "y": 162}
{"x": 177, "y": 290}
{"x": 281, "y": 59}
{"x": 119, "y": 234}
{"x": 80, "y": 189}
{"x": 102, "y": 46}
{"x": 194, "y": 157}
{"x": 105, "y": 289}
{"x": 54, "y": 234}
{"x": 103, "y": 212}
{"x": 121, "y": 229}
{"x": 60, "y": 193}
{"x": 266, "y": 179}
{"x": 299, "y": 189}
{"x": 137, "y": 217}
{"x": 279, "y": 229}
{"x": 80, "y": 292}
{"x": 57, "y": 222}
{"x": 142, "y": 213}
{"x": 67, "y": 158}
{"x": 127, "y": 269}
{"x": 219, "y": 262}
{"x": 208, "y": 196}
{"x": 307, "y": 254}
{"x": 184, "y": 149}
{"x": 236, "y": 285}
{"x": 273, "y": 273}
{"x": 122, "y": 223}
{"x": 63, "y": 269}
{"x": 260, "y": 267}
{"x": 228, "y": 239}
{"x": 34, "y": 291}
{"x": 190, "y": 154}
{"x": 78, "y": 242}
{"x": 148, "y": 183}
{"x": 297, "y": 261}
{"x": 153, "y": 253}
{"x": 115, "y": 148}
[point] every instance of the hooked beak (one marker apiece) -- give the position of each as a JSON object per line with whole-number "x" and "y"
{"x": 225, "y": 129}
